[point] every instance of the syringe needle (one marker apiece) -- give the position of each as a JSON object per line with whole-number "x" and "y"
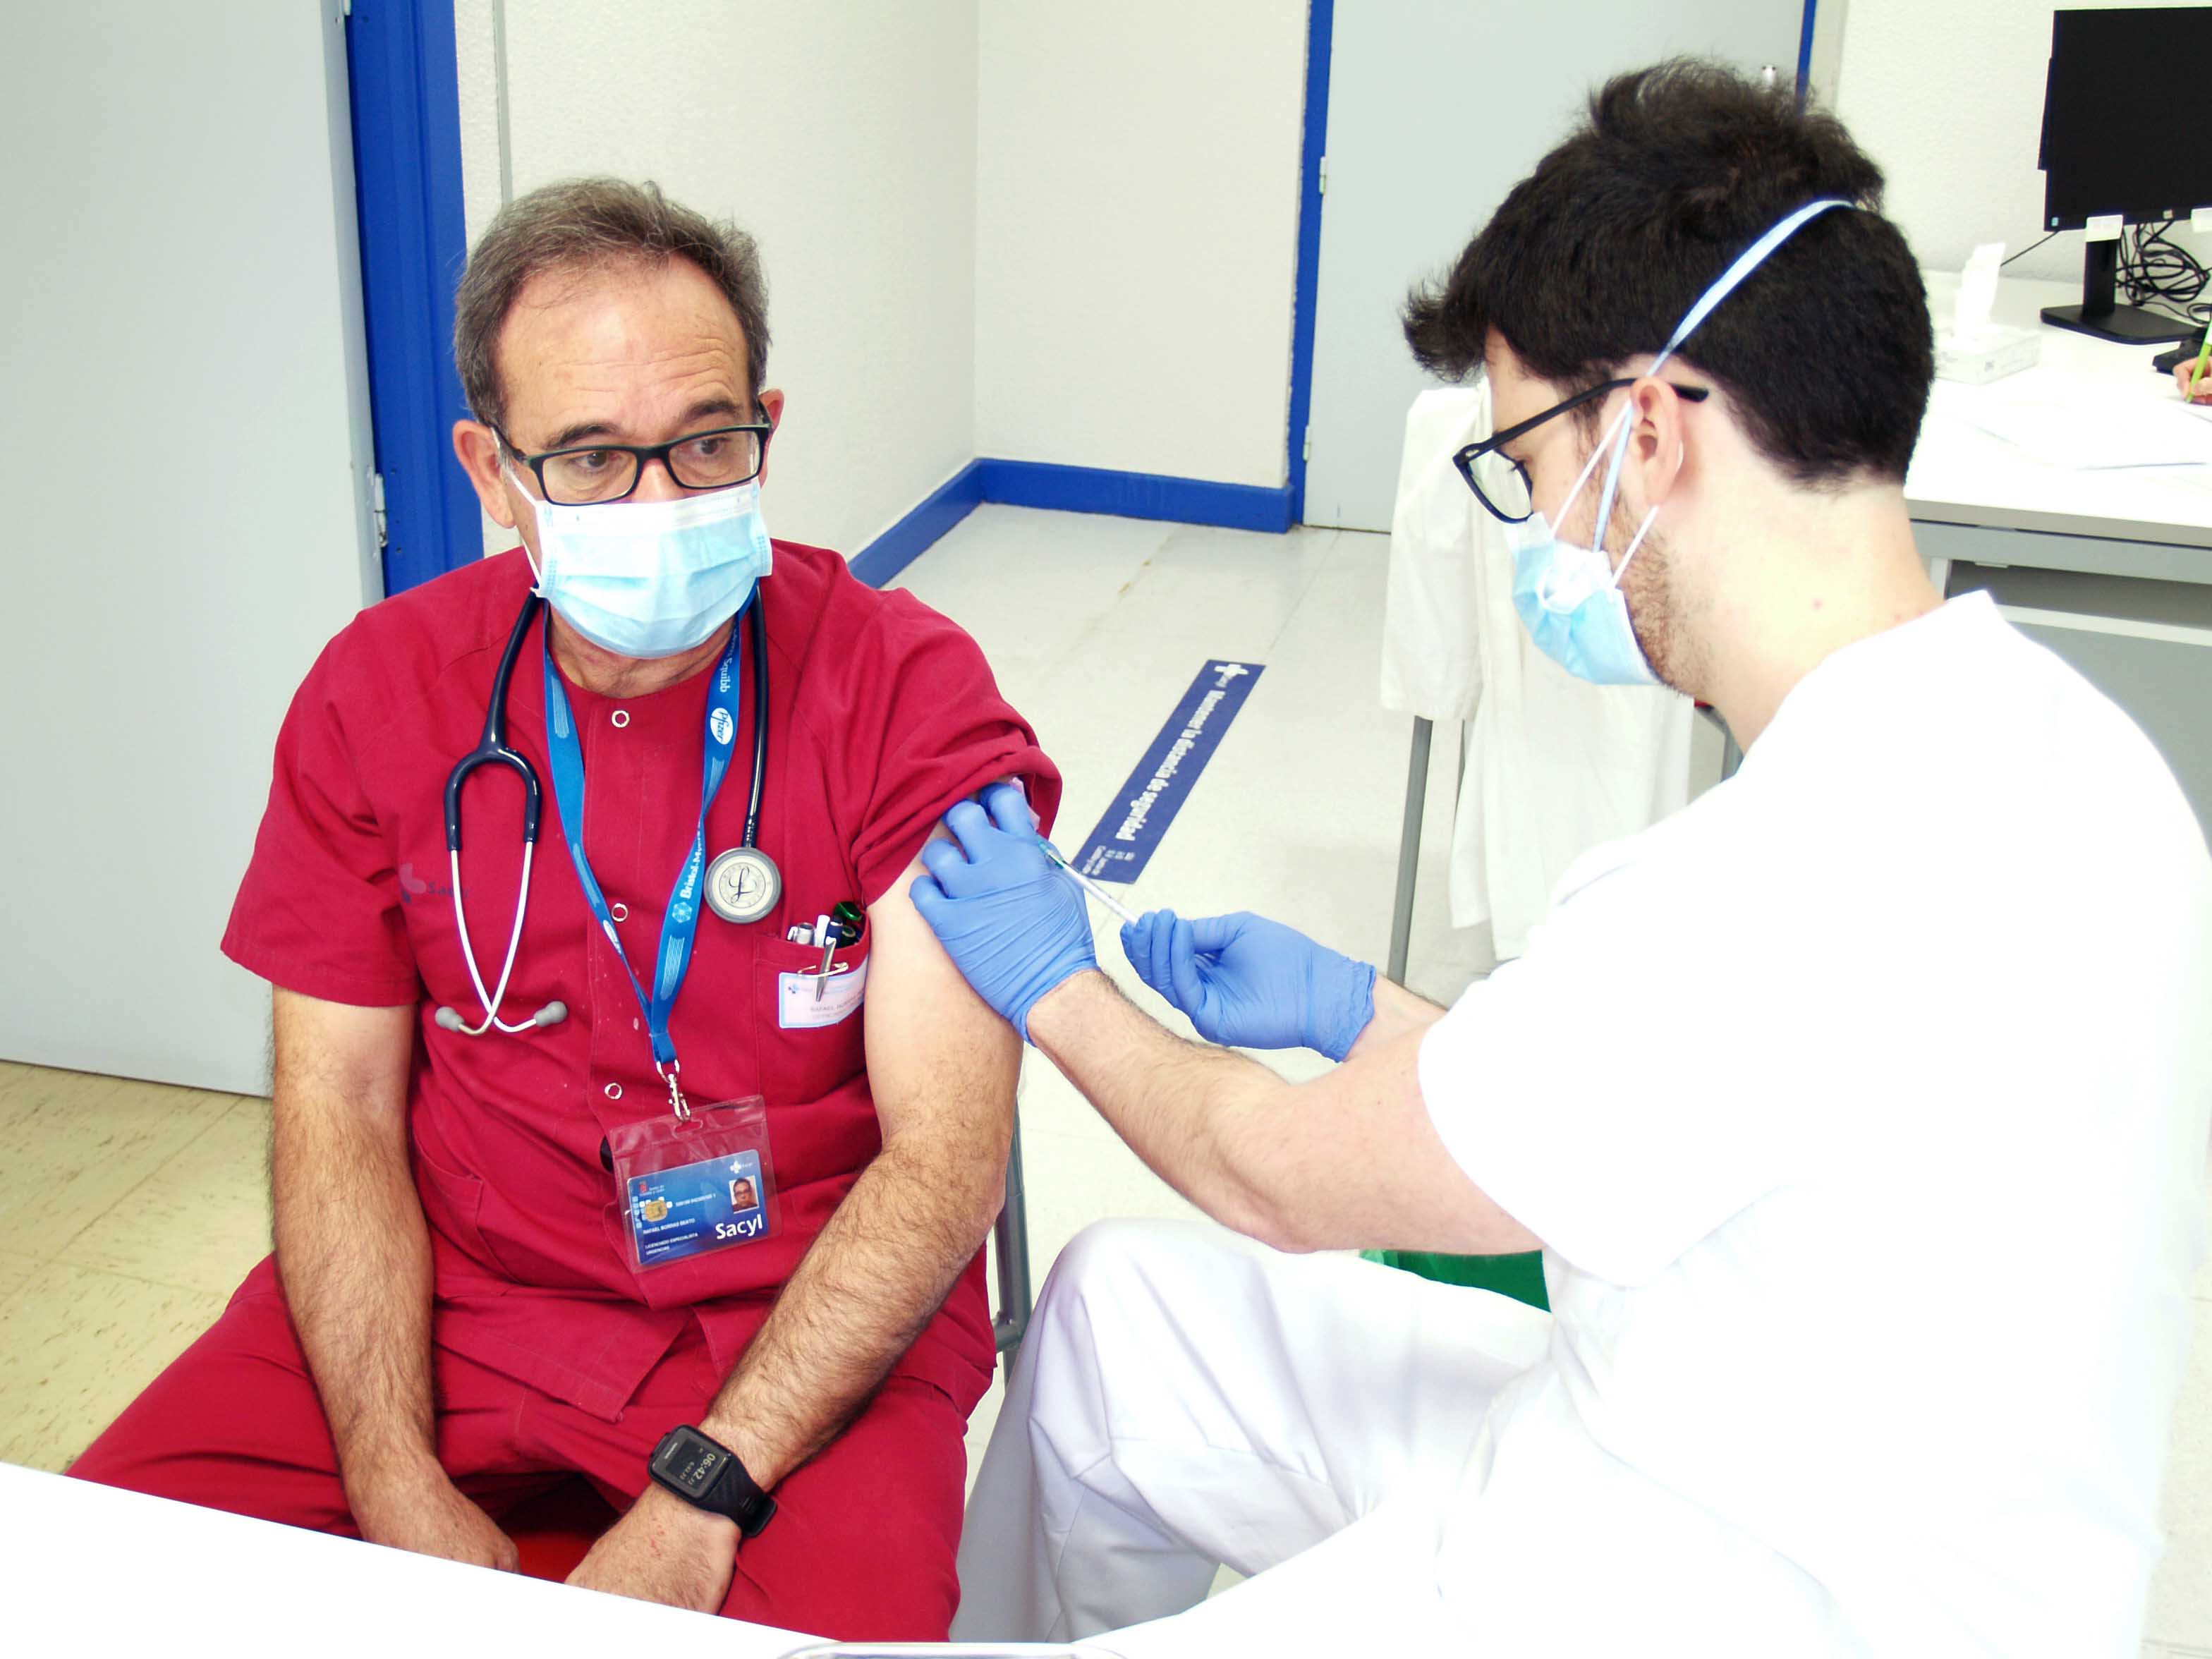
{"x": 1084, "y": 882}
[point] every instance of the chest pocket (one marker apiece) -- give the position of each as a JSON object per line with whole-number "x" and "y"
{"x": 811, "y": 1046}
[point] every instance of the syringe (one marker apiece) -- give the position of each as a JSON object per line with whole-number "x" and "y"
{"x": 1084, "y": 882}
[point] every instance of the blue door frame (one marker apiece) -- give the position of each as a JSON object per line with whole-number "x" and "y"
{"x": 407, "y": 175}
{"x": 406, "y": 111}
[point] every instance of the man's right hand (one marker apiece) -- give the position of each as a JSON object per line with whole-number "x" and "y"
{"x": 428, "y": 1515}
{"x": 1254, "y": 983}
{"x": 2183, "y": 370}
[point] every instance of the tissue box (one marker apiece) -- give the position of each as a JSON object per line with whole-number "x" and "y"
{"x": 1986, "y": 356}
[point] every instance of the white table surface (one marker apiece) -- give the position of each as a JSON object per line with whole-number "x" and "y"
{"x": 87, "y": 1569}
{"x": 1962, "y": 475}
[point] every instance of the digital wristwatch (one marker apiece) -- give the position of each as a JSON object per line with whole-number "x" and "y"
{"x": 708, "y": 1475}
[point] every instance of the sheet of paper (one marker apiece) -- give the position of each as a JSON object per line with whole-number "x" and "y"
{"x": 2117, "y": 433}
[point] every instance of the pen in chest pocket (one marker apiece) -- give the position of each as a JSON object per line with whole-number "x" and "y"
{"x": 840, "y": 928}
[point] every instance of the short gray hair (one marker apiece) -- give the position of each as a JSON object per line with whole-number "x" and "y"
{"x": 580, "y": 225}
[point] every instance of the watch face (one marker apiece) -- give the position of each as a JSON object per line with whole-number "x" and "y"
{"x": 690, "y": 1461}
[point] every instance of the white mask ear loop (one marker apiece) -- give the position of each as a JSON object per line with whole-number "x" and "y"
{"x": 1681, "y": 453}
{"x": 1635, "y": 542}
{"x": 516, "y": 477}
{"x": 1588, "y": 467}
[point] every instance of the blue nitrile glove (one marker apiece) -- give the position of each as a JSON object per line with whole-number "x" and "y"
{"x": 1014, "y": 926}
{"x": 1254, "y": 983}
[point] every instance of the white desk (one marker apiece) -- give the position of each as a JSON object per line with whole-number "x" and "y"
{"x": 91, "y": 1569}
{"x": 2110, "y": 568}
{"x": 1962, "y": 477}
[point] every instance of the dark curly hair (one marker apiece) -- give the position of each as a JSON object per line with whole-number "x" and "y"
{"x": 1826, "y": 350}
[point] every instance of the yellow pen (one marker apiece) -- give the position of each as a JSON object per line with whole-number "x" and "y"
{"x": 2197, "y": 373}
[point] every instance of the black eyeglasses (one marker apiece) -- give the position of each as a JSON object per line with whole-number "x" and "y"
{"x": 590, "y": 474}
{"x": 1507, "y": 493}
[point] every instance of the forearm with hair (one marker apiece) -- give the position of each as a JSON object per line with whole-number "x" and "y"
{"x": 873, "y": 1279}
{"x": 1188, "y": 1109}
{"x": 353, "y": 1249}
{"x": 942, "y": 1067}
{"x": 1268, "y": 1157}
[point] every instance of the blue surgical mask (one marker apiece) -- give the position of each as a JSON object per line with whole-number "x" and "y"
{"x": 652, "y": 579}
{"x": 1569, "y": 596}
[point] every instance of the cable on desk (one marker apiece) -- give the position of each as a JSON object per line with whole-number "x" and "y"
{"x": 2156, "y": 272}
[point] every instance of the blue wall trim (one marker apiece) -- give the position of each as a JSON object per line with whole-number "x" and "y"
{"x": 911, "y": 537}
{"x": 1321, "y": 25}
{"x": 1136, "y": 495}
{"x": 1069, "y": 489}
{"x": 1805, "y": 54}
{"x": 407, "y": 178}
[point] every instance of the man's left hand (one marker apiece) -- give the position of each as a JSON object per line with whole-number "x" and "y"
{"x": 1014, "y": 925}
{"x": 664, "y": 1551}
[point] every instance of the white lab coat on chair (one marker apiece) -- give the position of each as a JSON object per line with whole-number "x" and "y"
{"x": 1555, "y": 766}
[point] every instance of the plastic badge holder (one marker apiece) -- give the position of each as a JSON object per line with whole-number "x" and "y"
{"x": 695, "y": 1184}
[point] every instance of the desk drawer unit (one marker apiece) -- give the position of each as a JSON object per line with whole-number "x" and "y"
{"x": 2146, "y": 644}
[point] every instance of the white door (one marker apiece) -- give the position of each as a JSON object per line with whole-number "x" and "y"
{"x": 184, "y": 448}
{"x": 1435, "y": 111}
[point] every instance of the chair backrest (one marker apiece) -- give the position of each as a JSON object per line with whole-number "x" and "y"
{"x": 1010, "y": 1240}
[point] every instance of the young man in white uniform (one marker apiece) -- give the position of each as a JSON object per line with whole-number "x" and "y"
{"x": 1861, "y": 1109}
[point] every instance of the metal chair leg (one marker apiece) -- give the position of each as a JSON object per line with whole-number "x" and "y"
{"x": 1011, "y": 1240}
{"x": 1409, "y": 849}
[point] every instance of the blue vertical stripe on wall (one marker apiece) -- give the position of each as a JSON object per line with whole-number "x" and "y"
{"x": 407, "y": 178}
{"x": 1805, "y": 54}
{"x": 1320, "y": 31}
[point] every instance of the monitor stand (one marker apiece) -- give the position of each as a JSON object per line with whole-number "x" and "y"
{"x": 2098, "y": 314}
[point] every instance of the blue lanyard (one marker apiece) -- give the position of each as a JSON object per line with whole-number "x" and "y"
{"x": 681, "y": 921}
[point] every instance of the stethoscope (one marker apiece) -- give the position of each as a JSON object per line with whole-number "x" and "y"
{"x": 742, "y": 885}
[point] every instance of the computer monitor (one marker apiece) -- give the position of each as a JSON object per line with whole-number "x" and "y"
{"x": 2124, "y": 136}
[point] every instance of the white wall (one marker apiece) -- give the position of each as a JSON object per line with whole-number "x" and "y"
{"x": 842, "y": 134}
{"x": 1948, "y": 96}
{"x": 1137, "y": 209}
{"x": 183, "y": 444}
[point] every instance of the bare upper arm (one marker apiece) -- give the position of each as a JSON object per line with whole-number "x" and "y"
{"x": 940, "y": 1063}
{"x": 333, "y": 1056}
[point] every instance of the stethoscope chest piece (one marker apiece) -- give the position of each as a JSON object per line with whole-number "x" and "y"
{"x": 743, "y": 885}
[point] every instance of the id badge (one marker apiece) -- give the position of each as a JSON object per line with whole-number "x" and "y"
{"x": 691, "y": 1185}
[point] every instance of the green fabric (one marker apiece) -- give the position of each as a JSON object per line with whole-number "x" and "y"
{"x": 1520, "y": 1277}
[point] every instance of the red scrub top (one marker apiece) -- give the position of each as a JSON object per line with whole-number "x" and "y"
{"x": 883, "y": 714}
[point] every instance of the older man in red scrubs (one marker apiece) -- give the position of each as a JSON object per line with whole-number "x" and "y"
{"x": 509, "y": 1151}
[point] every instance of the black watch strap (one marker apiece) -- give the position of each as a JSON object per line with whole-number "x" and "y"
{"x": 708, "y": 1475}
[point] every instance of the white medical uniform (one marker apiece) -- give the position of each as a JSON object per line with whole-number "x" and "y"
{"x": 1864, "y": 1107}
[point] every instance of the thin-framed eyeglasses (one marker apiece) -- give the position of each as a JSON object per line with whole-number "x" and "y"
{"x": 1502, "y": 486}
{"x": 589, "y": 474}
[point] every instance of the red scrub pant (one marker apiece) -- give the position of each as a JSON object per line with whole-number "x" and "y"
{"x": 861, "y": 1547}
